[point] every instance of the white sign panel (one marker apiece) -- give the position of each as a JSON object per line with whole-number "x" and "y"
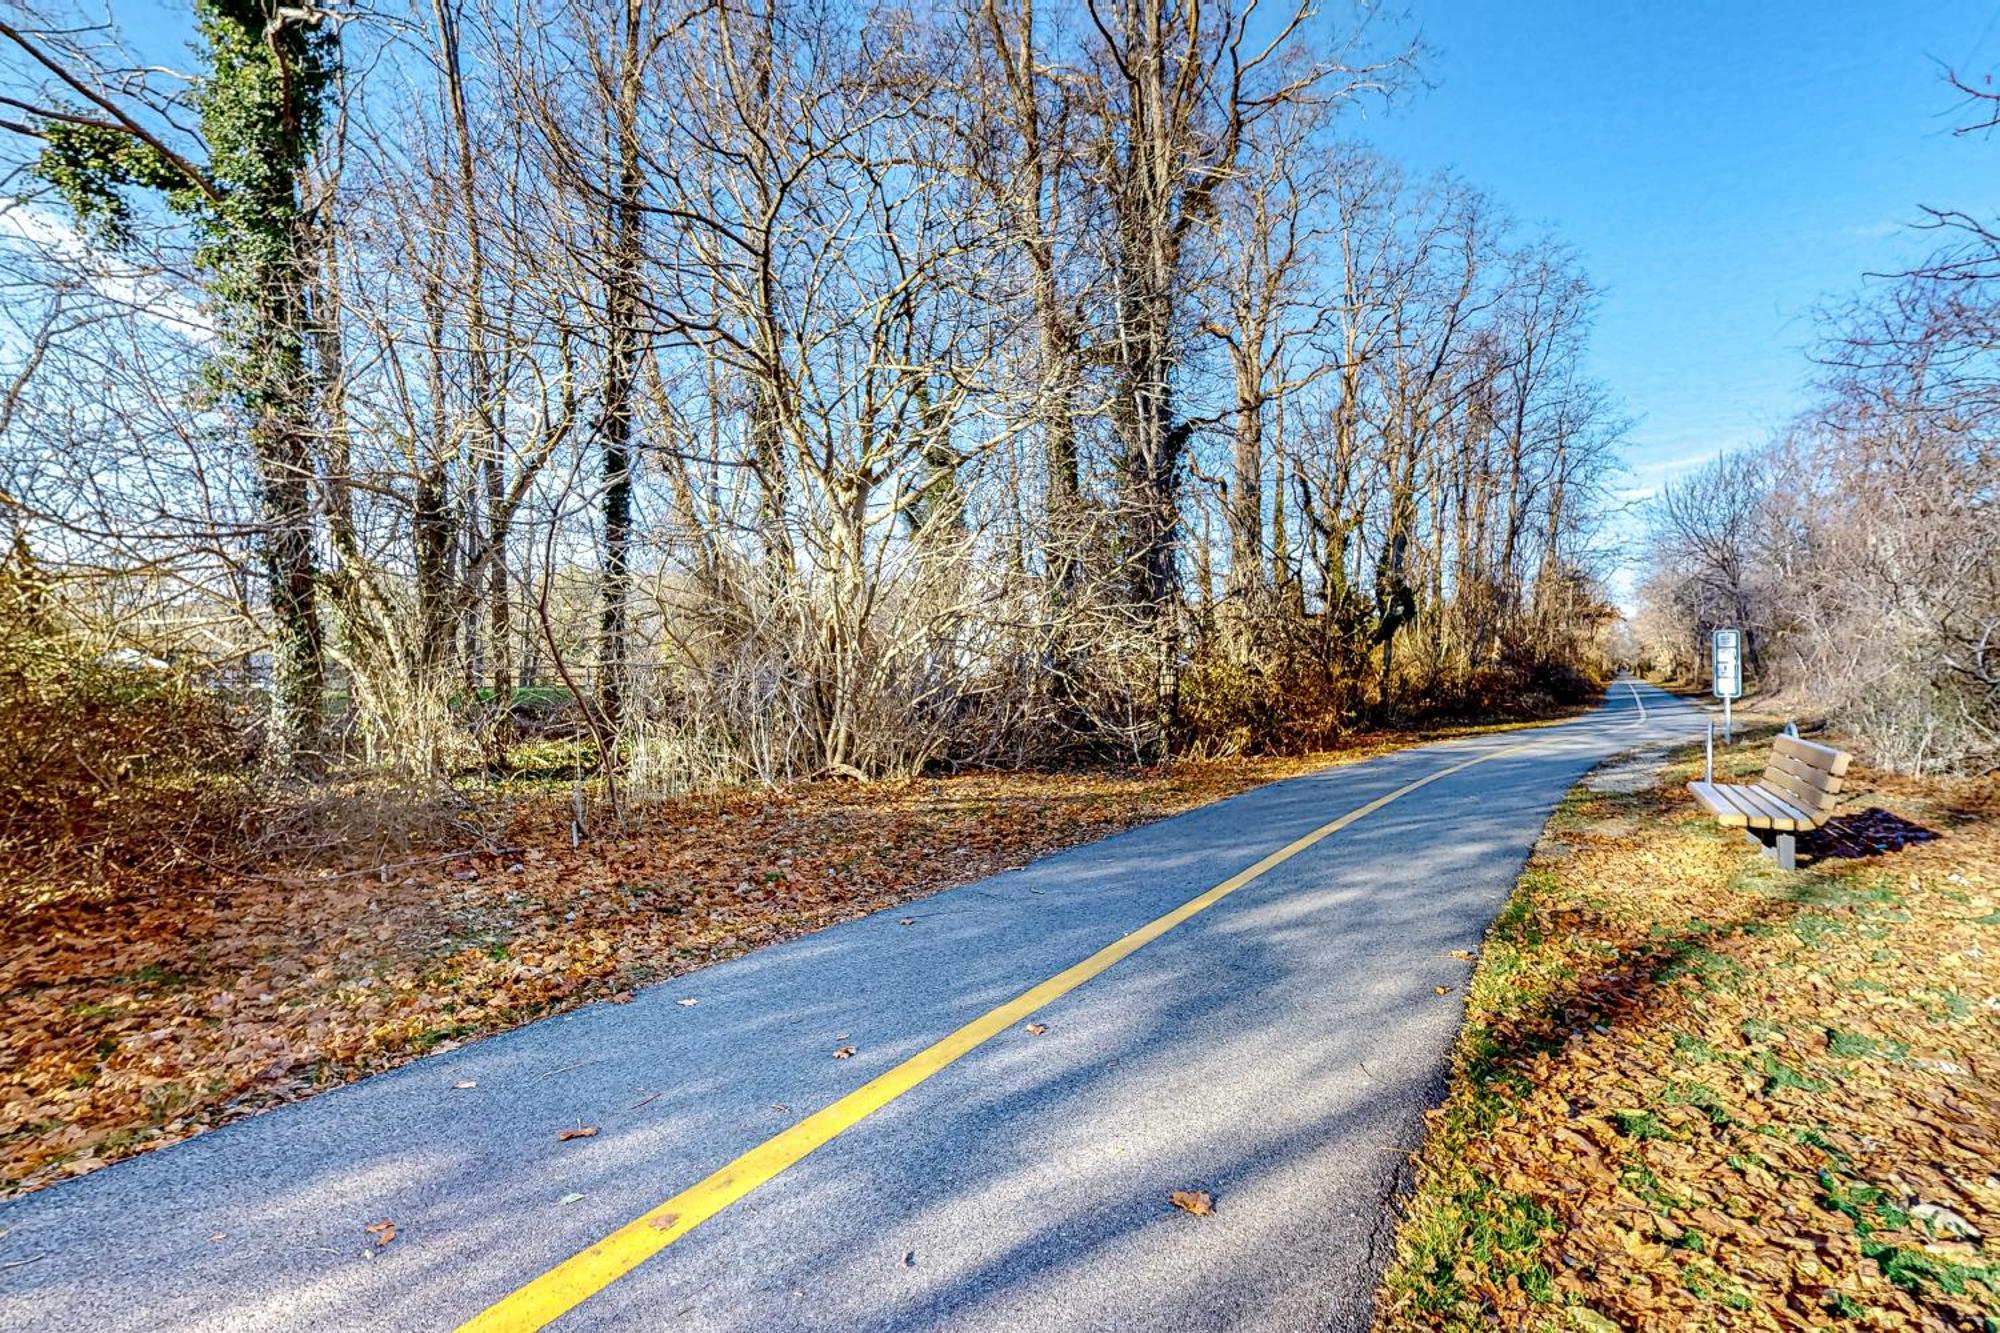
{"x": 1728, "y": 669}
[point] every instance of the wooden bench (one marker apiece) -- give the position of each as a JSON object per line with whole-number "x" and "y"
{"x": 1796, "y": 793}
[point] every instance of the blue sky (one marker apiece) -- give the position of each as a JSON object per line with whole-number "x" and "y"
{"x": 1723, "y": 169}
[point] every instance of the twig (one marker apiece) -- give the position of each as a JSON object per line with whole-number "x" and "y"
{"x": 551, "y": 1073}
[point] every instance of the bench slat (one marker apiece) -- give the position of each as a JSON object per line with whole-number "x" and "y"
{"x": 1787, "y": 814}
{"x": 1769, "y": 813}
{"x": 1792, "y": 769}
{"x": 1814, "y": 755}
{"x": 1740, "y": 800}
{"x": 1760, "y": 814}
{"x": 1765, "y": 811}
{"x": 1726, "y": 813}
{"x": 1737, "y": 806}
{"x": 1803, "y": 795}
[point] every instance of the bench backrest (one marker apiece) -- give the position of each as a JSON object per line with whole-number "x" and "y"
{"x": 1806, "y": 774}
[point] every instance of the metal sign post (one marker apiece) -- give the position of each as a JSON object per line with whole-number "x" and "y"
{"x": 1726, "y": 675}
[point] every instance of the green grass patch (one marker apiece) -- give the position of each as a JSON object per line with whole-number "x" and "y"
{"x": 159, "y": 974}
{"x": 1778, "y": 1075}
{"x": 1708, "y": 970}
{"x": 1816, "y": 931}
{"x": 1693, "y": 1049}
{"x": 1919, "y": 1273}
{"x": 1498, "y": 1233}
{"x": 1868, "y": 1207}
{"x": 1640, "y": 1125}
{"x": 1687, "y": 1092}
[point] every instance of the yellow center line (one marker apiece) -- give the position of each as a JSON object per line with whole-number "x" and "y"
{"x": 576, "y": 1279}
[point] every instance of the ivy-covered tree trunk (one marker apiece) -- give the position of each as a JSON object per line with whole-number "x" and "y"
{"x": 259, "y": 104}
{"x": 260, "y": 115}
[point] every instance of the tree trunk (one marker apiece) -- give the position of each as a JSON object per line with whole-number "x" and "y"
{"x": 620, "y": 383}
{"x": 298, "y": 672}
{"x": 1246, "y": 503}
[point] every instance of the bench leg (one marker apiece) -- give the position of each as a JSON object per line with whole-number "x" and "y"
{"x": 1787, "y": 851}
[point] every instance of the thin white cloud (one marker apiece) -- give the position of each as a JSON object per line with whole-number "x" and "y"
{"x": 1874, "y": 231}
{"x": 1651, "y": 472}
{"x": 139, "y": 289}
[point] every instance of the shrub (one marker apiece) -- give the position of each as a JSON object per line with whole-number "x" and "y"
{"x": 108, "y": 763}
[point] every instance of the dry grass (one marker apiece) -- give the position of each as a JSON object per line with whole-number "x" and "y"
{"x": 1695, "y": 1092}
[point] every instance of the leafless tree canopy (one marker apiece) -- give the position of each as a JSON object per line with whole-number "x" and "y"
{"x": 695, "y": 393}
{"x": 1861, "y": 551}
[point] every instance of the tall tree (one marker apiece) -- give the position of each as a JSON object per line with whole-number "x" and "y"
{"x": 625, "y": 255}
{"x": 1176, "y": 87}
{"x": 260, "y": 103}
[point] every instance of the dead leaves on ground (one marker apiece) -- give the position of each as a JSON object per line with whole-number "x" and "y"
{"x": 579, "y": 1132}
{"x": 383, "y": 1232}
{"x": 844, "y": 1053}
{"x": 1696, "y": 1092}
{"x": 136, "y": 1017}
{"x": 1199, "y": 1202}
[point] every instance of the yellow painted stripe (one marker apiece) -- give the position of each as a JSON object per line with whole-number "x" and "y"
{"x": 584, "y": 1274}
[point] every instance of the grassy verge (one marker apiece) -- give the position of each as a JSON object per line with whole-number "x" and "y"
{"x": 1695, "y": 1092}
{"x": 133, "y": 1018}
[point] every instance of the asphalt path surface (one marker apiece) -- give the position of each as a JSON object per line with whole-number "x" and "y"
{"x": 1276, "y": 1051}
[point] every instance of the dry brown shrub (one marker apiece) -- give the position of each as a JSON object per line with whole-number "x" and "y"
{"x": 108, "y": 766}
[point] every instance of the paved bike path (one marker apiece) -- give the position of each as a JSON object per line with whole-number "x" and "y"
{"x": 1276, "y": 1051}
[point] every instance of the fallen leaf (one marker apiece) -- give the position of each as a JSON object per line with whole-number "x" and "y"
{"x": 1037, "y": 1029}
{"x": 1198, "y": 1202}
{"x": 580, "y": 1132}
{"x": 907, "y": 921}
{"x": 571, "y": 1197}
{"x": 1463, "y": 955}
{"x": 465, "y": 1083}
{"x": 1588, "y": 1320}
{"x": 843, "y": 1053}
{"x": 664, "y": 1222}
{"x": 688, "y": 1003}
{"x": 383, "y": 1232}
{"x": 1442, "y": 990}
